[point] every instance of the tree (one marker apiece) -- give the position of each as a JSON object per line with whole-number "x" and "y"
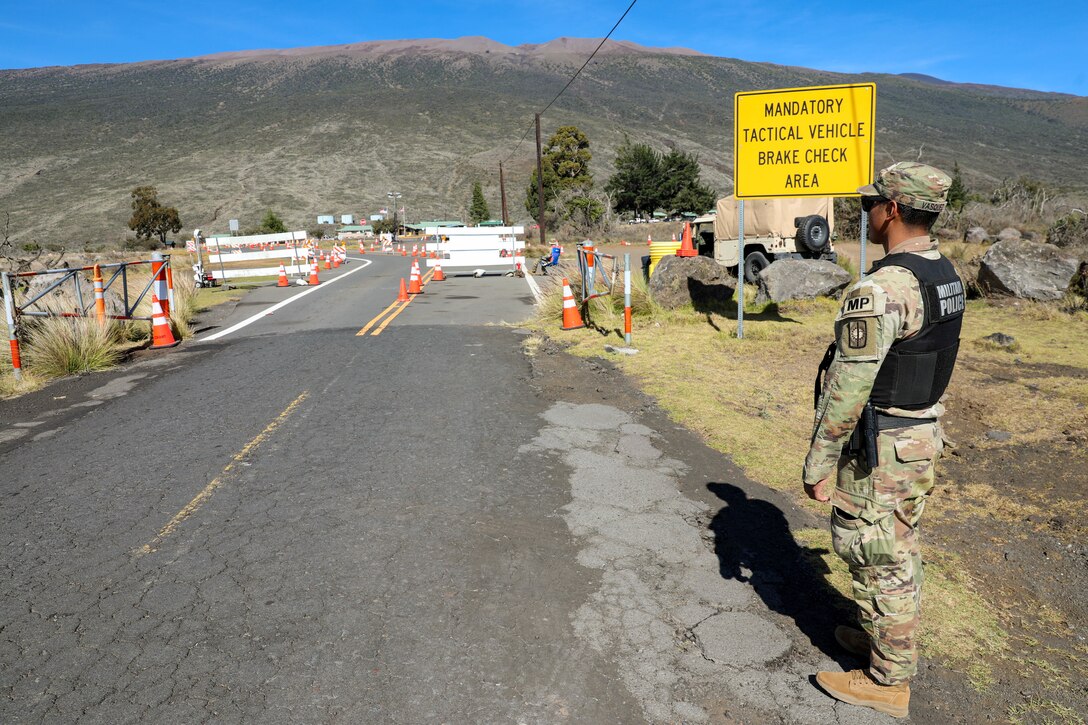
{"x": 478, "y": 211}
{"x": 680, "y": 189}
{"x": 957, "y": 192}
{"x": 565, "y": 163}
{"x": 634, "y": 186}
{"x": 151, "y": 218}
{"x": 646, "y": 180}
{"x": 272, "y": 224}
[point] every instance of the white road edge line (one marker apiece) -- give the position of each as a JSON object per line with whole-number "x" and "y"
{"x": 250, "y": 320}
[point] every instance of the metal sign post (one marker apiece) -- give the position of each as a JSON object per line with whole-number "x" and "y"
{"x": 864, "y": 241}
{"x": 740, "y": 270}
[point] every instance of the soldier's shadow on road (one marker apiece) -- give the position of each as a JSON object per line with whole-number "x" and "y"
{"x": 753, "y": 543}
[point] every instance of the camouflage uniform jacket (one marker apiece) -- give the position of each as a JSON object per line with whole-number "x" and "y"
{"x": 885, "y": 306}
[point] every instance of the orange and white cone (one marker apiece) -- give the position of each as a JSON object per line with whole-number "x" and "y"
{"x": 283, "y": 277}
{"x": 336, "y": 261}
{"x": 403, "y": 252}
{"x": 362, "y": 248}
{"x": 328, "y": 260}
{"x": 403, "y": 296}
{"x": 572, "y": 319}
{"x": 161, "y": 335}
{"x": 649, "y": 240}
{"x": 415, "y": 284}
{"x": 438, "y": 276}
{"x": 313, "y": 272}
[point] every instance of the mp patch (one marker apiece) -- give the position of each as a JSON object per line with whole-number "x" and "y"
{"x": 857, "y": 338}
{"x": 864, "y": 301}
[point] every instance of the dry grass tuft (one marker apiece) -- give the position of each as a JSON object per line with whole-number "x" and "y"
{"x": 57, "y": 347}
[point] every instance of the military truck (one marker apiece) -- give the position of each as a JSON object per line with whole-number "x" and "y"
{"x": 773, "y": 229}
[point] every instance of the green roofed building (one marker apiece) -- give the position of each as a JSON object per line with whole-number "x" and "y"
{"x": 420, "y": 226}
{"x": 355, "y": 231}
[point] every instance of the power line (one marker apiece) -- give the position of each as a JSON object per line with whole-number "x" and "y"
{"x": 573, "y": 78}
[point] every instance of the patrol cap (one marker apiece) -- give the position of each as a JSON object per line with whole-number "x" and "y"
{"x": 912, "y": 184}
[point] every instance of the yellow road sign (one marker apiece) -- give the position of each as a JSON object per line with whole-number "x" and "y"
{"x": 815, "y": 141}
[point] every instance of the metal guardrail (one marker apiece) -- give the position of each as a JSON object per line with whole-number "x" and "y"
{"x": 597, "y": 270}
{"x": 161, "y": 277}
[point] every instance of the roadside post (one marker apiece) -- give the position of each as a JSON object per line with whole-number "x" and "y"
{"x": 9, "y": 317}
{"x": 798, "y": 142}
{"x": 627, "y": 299}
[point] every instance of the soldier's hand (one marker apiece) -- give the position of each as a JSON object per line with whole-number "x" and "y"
{"x": 821, "y": 491}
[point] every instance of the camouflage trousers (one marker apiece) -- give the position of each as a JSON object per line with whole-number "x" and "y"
{"x": 874, "y": 528}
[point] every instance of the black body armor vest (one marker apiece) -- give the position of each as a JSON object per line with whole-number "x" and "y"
{"x": 916, "y": 371}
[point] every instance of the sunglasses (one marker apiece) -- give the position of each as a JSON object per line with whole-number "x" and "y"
{"x": 868, "y": 202}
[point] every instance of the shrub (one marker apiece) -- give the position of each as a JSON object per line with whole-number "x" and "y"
{"x": 1069, "y": 231}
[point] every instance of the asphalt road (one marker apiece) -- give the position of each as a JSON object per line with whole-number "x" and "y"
{"x": 289, "y": 521}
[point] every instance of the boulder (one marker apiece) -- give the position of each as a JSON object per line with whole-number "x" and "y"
{"x": 1026, "y": 269}
{"x": 676, "y": 281}
{"x": 976, "y": 235}
{"x": 794, "y": 279}
{"x": 1009, "y": 234}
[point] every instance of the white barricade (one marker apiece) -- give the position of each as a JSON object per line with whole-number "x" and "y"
{"x": 240, "y": 256}
{"x": 256, "y": 240}
{"x": 492, "y": 248}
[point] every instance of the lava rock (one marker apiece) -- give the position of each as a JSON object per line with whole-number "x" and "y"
{"x": 677, "y": 281}
{"x": 976, "y": 235}
{"x": 794, "y": 279}
{"x": 1026, "y": 269}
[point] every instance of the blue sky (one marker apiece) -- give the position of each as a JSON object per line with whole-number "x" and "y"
{"x": 1040, "y": 45}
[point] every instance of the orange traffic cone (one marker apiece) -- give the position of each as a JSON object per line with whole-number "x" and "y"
{"x": 572, "y": 320}
{"x": 336, "y": 261}
{"x": 403, "y": 252}
{"x": 313, "y": 272}
{"x": 415, "y": 250}
{"x": 328, "y": 260}
{"x": 415, "y": 284}
{"x": 438, "y": 276}
{"x": 403, "y": 296}
{"x": 362, "y": 248}
{"x": 283, "y": 277}
{"x": 687, "y": 249}
{"x": 649, "y": 240}
{"x": 161, "y": 335}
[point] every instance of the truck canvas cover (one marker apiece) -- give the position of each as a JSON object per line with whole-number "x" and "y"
{"x": 769, "y": 217}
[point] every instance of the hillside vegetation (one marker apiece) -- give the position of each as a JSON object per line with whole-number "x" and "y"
{"x": 332, "y": 130}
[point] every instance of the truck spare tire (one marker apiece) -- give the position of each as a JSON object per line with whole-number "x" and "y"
{"x": 813, "y": 232}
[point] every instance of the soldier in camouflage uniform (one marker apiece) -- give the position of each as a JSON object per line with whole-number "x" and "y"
{"x": 877, "y": 437}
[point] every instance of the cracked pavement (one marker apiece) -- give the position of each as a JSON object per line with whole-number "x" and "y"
{"x": 443, "y": 531}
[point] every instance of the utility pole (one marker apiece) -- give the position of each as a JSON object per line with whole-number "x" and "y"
{"x": 539, "y": 183}
{"x": 502, "y": 190}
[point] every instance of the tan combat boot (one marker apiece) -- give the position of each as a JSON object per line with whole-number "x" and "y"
{"x": 857, "y": 688}
{"x": 853, "y": 640}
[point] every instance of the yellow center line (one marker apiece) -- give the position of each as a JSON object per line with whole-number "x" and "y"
{"x": 391, "y": 311}
{"x": 199, "y": 500}
{"x": 373, "y": 322}
{"x": 390, "y": 318}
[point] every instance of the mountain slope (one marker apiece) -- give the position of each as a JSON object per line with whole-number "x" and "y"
{"x": 324, "y": 130}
